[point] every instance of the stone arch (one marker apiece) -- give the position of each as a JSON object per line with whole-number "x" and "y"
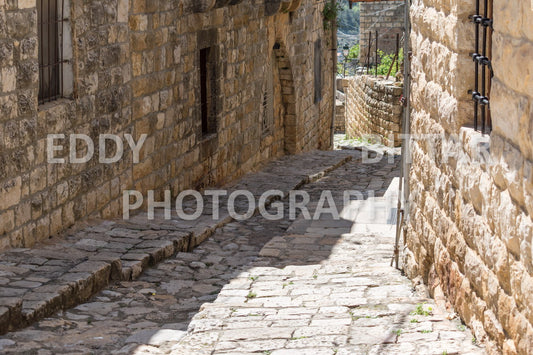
{"x": 288, "y": 97}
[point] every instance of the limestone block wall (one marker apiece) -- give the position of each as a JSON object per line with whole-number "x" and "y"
{"x": 373, "y": 108}
{"x": 340, "y": 117}
{"x": 469, "y": 234}
{"x": 385, "y": 17}
{"x": 136, "y": 71}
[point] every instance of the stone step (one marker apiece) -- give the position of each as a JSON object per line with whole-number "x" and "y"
{"x": 65, "y": 272}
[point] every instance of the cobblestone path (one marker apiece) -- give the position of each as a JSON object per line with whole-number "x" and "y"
{"x": 269, "y": 287}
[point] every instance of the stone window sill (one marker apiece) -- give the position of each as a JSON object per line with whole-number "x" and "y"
{"x": 208, "y": 137}
{"x": 54, "y": 104}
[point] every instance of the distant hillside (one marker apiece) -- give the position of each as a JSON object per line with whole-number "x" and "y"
{"x": 343, "y": 38}
{"x": 348, "y": 19}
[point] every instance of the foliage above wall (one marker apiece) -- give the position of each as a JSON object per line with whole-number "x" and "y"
{"x": 386, "y": 60}
{"x": 339, "y": 13}
{"x": 348, "y": 20}
{"x": 330, "y": 13}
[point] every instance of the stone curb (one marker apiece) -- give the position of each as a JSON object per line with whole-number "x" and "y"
{"x": 35, "y": 283}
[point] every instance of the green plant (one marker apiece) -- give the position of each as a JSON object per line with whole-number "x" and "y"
{"x": 385, "y": 62}
{"x": 474, "y": 340}
{"x": 285, "y": 284}
{"x": 330, "y": 13}
{"x": 251, "y": 295}
{"x": 461, "y": 327}
{"x": 420, "y": 311}
{"x": 253, "y": 278}
{"x": 354, "y": 53}
{"x": 348, "y": 21}
{"x": 398, "y": 332}
{"x": 414, "y": 320}
{"x": 426, "y": 331}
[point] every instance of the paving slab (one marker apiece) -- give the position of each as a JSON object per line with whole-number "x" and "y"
{"x": 266, "y": 287}
{"x": 85, "y": 260}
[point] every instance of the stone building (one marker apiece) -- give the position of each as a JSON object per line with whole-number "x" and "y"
{"x": 218, "y": 87}
{"x": 469, "y": 229}
{"x": 385, "y": 17}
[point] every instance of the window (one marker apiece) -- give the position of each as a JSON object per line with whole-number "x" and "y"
{"x": 55, "y": 50}
{"x": 208, "y": 91}
{"x": 208, "y": 75}
{"x": 483, "y": 21}
{"x": 267, "y": 104}
{"x": 318, "y": 71}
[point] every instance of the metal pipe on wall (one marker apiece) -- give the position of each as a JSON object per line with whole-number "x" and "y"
{"x": 404, "y": 188}
{"x": 334, "y": 84}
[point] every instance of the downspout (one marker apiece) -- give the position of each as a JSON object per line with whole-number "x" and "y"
{"x": 404, "y": 190}
{"x": 407, "y": 124}
{"x": 334, "y": 71}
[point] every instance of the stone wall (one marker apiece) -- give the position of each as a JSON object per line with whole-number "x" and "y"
{"x": 136, "y": 72}
{"x": 373, "y": 108}
{"x": 385, "y": 17}
{"x": 340, "y": 117}
{"x": 469, "y": 233}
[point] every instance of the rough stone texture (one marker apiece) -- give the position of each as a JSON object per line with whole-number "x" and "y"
{"x": 385, "y": 17}
{"x": 270, "y": 287}
{"x": 373, "y": 108}
{"x": 136, "y": 71}
{"x": 60, "y": 274}
{"x": 470, "y": 230}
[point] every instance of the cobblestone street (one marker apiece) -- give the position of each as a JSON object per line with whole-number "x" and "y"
{"x": 269, "y": 287}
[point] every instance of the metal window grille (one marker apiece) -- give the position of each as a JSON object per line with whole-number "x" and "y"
{"x": 268, "y": 98}
{"x": 483, "y": 21}
{"x": 318, "y": 70}
{"x": 51, "y": 59}
{"x": 208, "y": 90}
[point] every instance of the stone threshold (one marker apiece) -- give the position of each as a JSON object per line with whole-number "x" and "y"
{"x": 65, "y": 272}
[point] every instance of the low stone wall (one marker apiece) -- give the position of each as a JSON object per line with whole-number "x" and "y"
{"x": 373, "y": 108}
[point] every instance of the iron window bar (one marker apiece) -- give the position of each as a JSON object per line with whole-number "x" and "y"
{"x": 51, "y": 57}
{"x": 480, "y": 95}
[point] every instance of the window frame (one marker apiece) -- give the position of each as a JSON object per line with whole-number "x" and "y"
{"x": 208, "y": 87}
{"x": 55, "y": 66}
{"x": 317, "y": 68}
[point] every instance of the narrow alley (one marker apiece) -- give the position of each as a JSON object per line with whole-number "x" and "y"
{"x": 270, "y": 287}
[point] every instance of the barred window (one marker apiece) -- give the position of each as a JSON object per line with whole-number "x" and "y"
{"x": 54, "y": 49}
{"x": 208, "y": 90}
{"x": 318, "y": 70}
{"x": 481, "y": 56}
{"x": 267, "y": 104}
{"x": 208, "y": 72}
